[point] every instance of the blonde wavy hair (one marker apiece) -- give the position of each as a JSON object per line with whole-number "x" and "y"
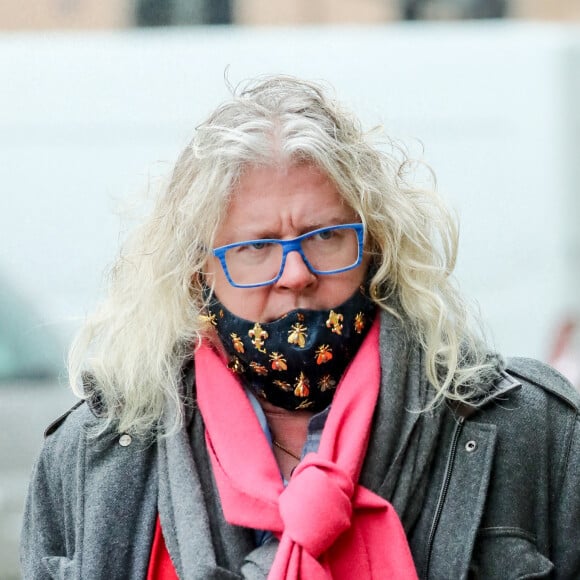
{"x": 135, "y": 345}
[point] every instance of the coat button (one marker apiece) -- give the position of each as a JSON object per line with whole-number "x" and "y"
{"x": 125, "y": 440}
{"x": 471, "y": 446}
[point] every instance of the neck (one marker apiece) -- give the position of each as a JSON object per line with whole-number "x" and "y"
{"x": 289, "y": 429}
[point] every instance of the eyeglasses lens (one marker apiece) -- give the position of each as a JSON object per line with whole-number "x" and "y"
{"x": 325, "y": 251}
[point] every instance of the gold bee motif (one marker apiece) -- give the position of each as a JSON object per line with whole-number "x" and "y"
{"x": 359, "y": 322}
{"x": 235, "y": 365}
{"x": 304, "y": 405}
{"x": 297, "y": 334}
{"x": 323, "y": 354}
{"x": 237, "y": 342}
{"x": 283, "y": 385}
{"x": 326, "y": 382}
{"x": 258, "y": 336}
{"x": 334, "y": 322}
{"x": 208, "y": 319}
{"x": 302, "y": 386}
{"x": 258, "y": 368}
{"x": 278, "y": 362}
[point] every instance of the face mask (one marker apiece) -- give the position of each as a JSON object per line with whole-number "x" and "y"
{"x": 294, "y": 362}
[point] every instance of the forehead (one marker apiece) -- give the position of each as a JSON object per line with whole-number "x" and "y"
{"x": 287, "y": 198}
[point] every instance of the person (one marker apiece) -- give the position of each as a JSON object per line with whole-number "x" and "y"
{"x": 284, "y": 381}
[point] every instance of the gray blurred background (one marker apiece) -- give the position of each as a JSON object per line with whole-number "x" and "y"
{"x": 99, "y": 96}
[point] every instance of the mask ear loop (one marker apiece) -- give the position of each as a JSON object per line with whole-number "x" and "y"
{"x": 365, "y": 286}
{"x": 384, "y": 288}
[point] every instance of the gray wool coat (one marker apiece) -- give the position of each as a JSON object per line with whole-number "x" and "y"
{"x": 502, "y": 501}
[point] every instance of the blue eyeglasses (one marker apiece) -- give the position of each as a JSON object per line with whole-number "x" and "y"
{"x": 329, "y": 250}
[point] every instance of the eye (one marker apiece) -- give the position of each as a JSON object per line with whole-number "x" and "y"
{"x": 257, "y": 245}
{"x": 253, "y": 247}
{"x": 326, "y": 234}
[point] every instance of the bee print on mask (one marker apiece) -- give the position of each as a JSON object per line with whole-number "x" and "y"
{"x": 278, "y": 362}
{"x": 297, "y": 334}
{"x": 323, "y": 354}
{"x": 359, "y": 322}
{"x": 237, "y": 342}
{"x": 282, "y": 385}
{"x": 208, "y": 319}
{"x": 334, "y": 322}
{"x": 236, "y": 366}
{"x": 258, "y": 336}
{"x": 302, "y": 386}
{"x": 326, "y": 382}
{"x": 259, "y": 369}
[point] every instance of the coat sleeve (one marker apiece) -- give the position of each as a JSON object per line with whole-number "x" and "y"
{"x": 566, "y": 519}
{"x": 47, "y": 541}
{"x": 43, "y": 544}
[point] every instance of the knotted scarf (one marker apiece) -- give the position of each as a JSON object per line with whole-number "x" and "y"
{"x": 329, "y": 526}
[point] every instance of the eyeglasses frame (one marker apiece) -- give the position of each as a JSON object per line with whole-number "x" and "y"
{"x": 292, "y": 245}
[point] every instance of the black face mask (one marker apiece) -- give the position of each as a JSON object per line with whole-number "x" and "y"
{"x": 295, "y": 362}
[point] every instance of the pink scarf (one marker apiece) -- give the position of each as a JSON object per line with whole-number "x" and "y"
{"x": 329, "y": 526}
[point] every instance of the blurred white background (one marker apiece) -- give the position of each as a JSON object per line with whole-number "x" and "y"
{"x": 86, "y": 122}
{"x": 90, "y": 120}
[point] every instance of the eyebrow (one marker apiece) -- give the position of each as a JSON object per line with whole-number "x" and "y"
{"x": 309, "y": 227}
{"x": 334, "y": 221}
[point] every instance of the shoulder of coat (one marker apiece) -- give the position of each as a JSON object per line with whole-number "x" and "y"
{"x": 61, "y": 419}
{"x": 544, "y": 376}
{"x": 94, "y": 405}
